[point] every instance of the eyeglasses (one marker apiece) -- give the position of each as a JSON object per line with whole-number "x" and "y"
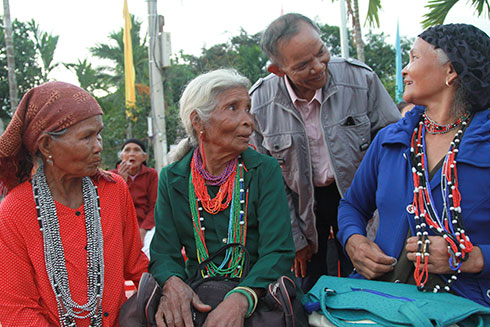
{"x": 304, "y": 68}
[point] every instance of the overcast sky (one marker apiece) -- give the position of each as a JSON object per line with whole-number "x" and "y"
{"x": 197, "y": 23}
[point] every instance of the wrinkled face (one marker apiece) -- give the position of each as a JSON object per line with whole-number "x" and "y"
{"x": 133, "y": 154}
{"x": 230, "y": 124}
{"x": 424, "y": 76}
{"x": 304, "y": 59}
{"x": 77, "y": 152}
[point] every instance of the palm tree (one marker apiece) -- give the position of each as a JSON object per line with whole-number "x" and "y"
{"x": 14, "y": 98}
{"x": 372, "y": 20}
{"x": 90, "y": 79}
{"x": 115, "y": 54}
{"x": 45, "y": 44}
{"x": 440, "y": 8}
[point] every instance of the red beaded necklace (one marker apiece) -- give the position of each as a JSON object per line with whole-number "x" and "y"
{"x": 225, "y": 193}
{"x": 450, "y": 223}
{"x": 432, "y": 127}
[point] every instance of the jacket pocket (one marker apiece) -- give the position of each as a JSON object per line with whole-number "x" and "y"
{"x": 356, "y": 130}
{"x": 278, "y": 146}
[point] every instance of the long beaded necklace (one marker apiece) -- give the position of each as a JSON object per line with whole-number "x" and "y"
{"x": 432, "y": 127}
{"x": 54, "y": 255}
{"x": 232, "y": 263}
{"x": 450, "y": 223}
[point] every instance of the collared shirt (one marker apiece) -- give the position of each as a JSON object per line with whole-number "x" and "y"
{"x": 310, "y": 113}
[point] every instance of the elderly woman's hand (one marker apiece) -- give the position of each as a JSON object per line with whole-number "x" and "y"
{"x": 367, "y": 257}
{"x": 439, "y": 256}
{"x": 123, "y": 169}
{"x": 174, "y": 309}
{"x": 230, "y": 312}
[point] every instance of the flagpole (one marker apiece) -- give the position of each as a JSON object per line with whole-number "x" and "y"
{"x": 344, "y": 40}
{"x": 398, "y": 67}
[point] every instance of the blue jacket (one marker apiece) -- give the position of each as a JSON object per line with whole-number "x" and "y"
{"x": 384, "y": 181}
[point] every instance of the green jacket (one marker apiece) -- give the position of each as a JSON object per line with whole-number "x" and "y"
{"x": 269, "y": 237}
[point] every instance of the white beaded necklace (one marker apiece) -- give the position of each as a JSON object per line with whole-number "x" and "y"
{"x": 54, "y": 255}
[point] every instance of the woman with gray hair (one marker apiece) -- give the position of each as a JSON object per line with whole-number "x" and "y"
{"x": 218, "y": 192}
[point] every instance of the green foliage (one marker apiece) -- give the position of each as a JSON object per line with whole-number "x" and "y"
{"x": 27, "y": 70}
{"x": 438, "y": 10}
{"x": 380, "y": 56}
{"x": 241, "y": 52}
{"x": 90, "y": 79}
{"x": 109, "y": 79}
{"x": 45, "y": 44}
{"x": 372, "y": 18}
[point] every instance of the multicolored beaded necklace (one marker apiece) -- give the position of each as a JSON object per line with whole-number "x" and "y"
{"x": 433, "y": 127}
{"x": 231, "y": 191}
{"x": 450, "y": 223}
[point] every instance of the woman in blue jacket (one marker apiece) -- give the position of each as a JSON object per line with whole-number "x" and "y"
{"x": 429, "y": 174}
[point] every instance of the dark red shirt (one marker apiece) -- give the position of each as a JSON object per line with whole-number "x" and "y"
{"x": 143, "y": 188}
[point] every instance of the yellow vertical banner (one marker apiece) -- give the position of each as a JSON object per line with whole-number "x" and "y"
{"x": 128, "y": 62}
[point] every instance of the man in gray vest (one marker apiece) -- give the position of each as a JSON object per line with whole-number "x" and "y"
{"x": 317, "y": 116}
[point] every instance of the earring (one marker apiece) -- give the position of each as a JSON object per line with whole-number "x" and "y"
{"x": 447, "y": 84}
{"x": 201, "y": 148}
{"x": 50, "y": 160}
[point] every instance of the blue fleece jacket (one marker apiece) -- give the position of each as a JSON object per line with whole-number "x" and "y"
{"x": 384, "y": 181}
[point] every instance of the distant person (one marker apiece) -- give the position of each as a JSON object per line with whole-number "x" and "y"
{"x": 428, "y": 175}
{"x": 404, "y": 107}
{"x": 317, "y": 116}
{"x": 219, "y": 191}
{"x": 142, "y": 182}
{"x": 68, "y": 231}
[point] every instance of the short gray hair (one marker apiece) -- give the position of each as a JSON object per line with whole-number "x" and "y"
{"x": 461, "y": 101}
{"x": 282, "y": 29}
{"x": 201, "y": 94}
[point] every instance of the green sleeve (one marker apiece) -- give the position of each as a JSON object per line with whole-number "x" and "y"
{"x": 165, "y": 249}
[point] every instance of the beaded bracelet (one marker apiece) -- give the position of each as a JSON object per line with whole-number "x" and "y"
{"x": 248, "y": 295}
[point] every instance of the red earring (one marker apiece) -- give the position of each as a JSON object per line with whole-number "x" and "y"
{"x": 201, "y": 148}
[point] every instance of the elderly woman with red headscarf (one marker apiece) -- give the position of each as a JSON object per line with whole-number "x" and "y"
{"x": 429, "y": 174}
{"x": 68, "y": 231}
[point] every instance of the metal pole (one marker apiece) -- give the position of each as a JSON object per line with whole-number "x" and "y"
{"x": 344, "y": 40}
{"x": 156, "y": 89}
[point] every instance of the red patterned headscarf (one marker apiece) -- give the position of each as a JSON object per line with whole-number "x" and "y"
{"x": 50, "y": 107}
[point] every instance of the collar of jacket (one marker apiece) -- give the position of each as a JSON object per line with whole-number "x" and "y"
{"x": 282, "y": 95}
{"x": 178, "y": 175}
{"x": 475, "y": 145}
{"x": 143, "y": 170}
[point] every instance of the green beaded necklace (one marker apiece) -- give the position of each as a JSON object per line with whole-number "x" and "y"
{"x": 232, "y": 264}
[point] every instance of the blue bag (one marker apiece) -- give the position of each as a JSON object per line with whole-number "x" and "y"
{"x": 345, "y": 301}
